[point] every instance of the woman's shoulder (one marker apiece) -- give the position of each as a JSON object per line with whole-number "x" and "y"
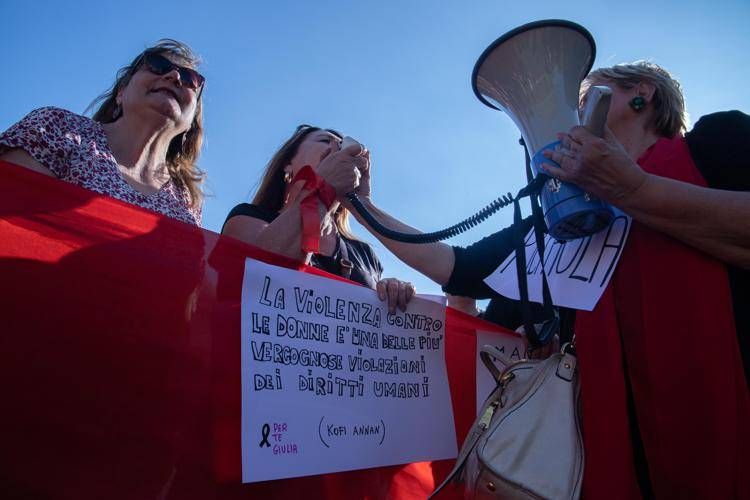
{"x": 720, "y": 146}
{"x": 57, "y": 118}
{"x": 250, "y": 210}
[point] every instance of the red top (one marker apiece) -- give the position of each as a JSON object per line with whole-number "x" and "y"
{"x": 669, "y": 308}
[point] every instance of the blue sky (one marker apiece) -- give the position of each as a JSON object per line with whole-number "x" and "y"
{"x": 396, "y": 75}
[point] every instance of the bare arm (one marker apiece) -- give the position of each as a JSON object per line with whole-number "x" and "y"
{"x": 712, "y": 220}
{"x": 282, "y": 236}
{"x": 434, "y": 260}
{"x": 21, "y": 157}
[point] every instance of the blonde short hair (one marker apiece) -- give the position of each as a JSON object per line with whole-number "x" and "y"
{"x": 669, "y": 115}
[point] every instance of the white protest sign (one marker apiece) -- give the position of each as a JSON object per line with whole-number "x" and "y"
{"x": 510, "y": 344}
{"x": 332, "y": 382}
{"x": 577, "y": 271}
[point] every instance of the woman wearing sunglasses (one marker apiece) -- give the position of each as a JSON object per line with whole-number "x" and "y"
{"x": 142, "y": 143}
{"x": 312, "y": 168}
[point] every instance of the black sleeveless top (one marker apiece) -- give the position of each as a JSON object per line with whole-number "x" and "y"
{"x": 366, "y": 268}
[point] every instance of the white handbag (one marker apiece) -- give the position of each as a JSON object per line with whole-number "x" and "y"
{"x": 527, "y": 441}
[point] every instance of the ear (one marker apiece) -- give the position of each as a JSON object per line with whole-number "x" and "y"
{"x": 646, "y": 90}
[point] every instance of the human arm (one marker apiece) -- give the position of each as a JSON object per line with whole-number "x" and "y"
{"x": 434, "y": 260}
{"x": 24, "y": 159}
{"x": 41, "y": 141}
{"x": 715, "y": 221}
{"x": 282, "y": 234}
{"x": 464, "y": 304}
{"x": 460, "y": 271}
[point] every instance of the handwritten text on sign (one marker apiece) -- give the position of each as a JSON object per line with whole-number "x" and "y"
{"x": 332, "y": 382}
{"x": 577, "y": 271}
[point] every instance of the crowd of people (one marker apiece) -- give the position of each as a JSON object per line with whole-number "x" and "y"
{"x": 661, "y": 413}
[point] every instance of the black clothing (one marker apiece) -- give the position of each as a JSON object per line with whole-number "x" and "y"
{"x": 477, "y": 261}
{"x": 366, "y": 269}
{"x": 720, "y": 147}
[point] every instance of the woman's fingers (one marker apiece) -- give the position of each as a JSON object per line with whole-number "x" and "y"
{"x": 396, "y": 292}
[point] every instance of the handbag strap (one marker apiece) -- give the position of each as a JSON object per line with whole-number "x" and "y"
{"x": 551, "y": 323}
{"x": 488, "y": 353}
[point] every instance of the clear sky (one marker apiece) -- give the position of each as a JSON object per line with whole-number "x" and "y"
{"x": 394, "y": 74}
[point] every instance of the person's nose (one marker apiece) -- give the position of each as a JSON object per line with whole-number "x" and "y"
{"x": 174, "y": 75}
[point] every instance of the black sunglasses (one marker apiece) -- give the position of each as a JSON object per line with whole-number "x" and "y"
{"x": 160, "y": 65}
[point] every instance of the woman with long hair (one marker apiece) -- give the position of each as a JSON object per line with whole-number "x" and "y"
{"x": 142, "y": 144}
{"x": 274, "y": 219}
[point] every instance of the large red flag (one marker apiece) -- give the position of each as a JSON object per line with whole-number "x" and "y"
{"x": 120, "y": 372}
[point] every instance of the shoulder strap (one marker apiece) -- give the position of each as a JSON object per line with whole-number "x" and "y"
{"x": 551, "y": 321}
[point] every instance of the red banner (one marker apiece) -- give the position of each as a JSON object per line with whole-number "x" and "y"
{"x": 120, "y": 372}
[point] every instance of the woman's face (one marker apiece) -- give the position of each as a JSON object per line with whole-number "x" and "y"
{"x": 316, "y": 146}
{"x": 620, "y": 112}
{"x": 165, "y": 97}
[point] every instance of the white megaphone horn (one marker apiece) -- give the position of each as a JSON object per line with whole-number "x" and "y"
{"x": 534, "y": 74}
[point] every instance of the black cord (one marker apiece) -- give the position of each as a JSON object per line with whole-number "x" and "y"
{"x": 456, "y": 229}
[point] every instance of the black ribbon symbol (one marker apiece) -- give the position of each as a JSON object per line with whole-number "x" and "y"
{"x": 265, "y": 431}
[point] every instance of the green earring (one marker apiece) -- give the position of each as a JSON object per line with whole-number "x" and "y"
{"x": 637, "y": 103}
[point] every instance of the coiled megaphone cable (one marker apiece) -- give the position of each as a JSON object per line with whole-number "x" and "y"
{"x": 532, "y": 188}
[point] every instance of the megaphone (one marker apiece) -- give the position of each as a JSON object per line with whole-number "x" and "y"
{"x": 533, "y": 73}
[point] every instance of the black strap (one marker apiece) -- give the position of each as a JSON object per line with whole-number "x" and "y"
{"x": 551, "y": 321}
{"x": 345, "y": 265}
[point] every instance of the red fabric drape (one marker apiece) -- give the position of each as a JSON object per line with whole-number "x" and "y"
{"x": 670, "y": 306}
{"x": 120, "y": 372}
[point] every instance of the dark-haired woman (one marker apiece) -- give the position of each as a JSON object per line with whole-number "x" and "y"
{"x": 274, "y": 220}
{"x": 142, "y": 144}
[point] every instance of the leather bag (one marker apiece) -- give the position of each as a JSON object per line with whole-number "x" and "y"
{"x": 527, "y": 442}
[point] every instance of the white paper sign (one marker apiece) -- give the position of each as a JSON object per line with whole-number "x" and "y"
{"x": 577, "y": 271}
{"x": 332, "y": 382}
{"x": 512, "y": 345}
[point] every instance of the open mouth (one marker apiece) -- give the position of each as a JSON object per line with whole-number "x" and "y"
{"x": 169, "y": 92}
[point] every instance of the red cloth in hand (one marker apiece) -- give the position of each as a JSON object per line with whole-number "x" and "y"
{"x": 318, "y": 189}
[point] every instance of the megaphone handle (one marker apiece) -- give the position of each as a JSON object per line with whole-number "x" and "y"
{"x": 596, "y": 112}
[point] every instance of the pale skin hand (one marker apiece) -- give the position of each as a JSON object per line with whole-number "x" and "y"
{"x": 396, "y": 292}
{"x": 712, "y": 220}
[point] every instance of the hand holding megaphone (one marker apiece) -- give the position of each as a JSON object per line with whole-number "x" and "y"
{"x": 361, "y": 162}
{"x": 592, "y": 158}
{"x": 342, "y": 169}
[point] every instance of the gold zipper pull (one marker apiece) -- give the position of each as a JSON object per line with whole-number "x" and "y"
{"x": 487, "y": 415}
